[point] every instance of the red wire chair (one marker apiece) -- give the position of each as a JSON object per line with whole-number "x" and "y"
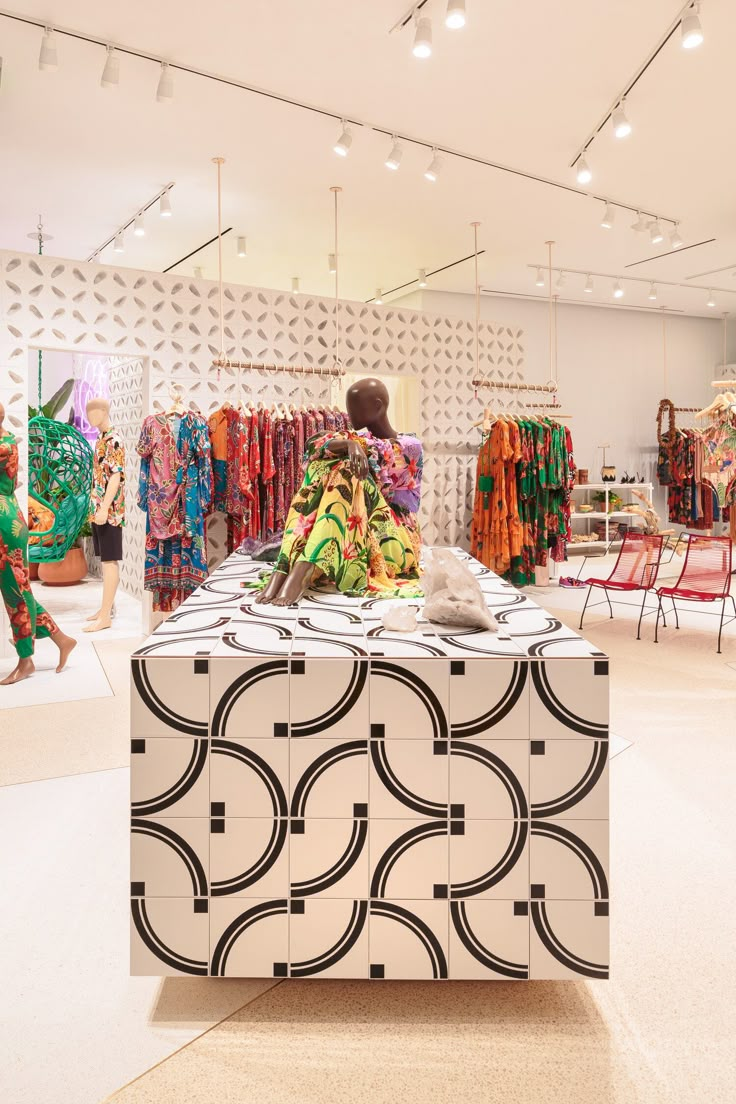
{"x": 705, "y": 577}
{"x": 635, "y": 569}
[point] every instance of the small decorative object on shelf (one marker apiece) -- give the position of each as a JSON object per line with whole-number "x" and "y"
{"x": 605, "y": 516}
{"x": 608, "y": 471}
{"x": 582, "y": 477}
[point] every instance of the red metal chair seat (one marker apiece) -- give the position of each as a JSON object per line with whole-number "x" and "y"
{"x": 612, "y": 585}
{"x": 635, "y": 569}
{"x": 705, "y": 577}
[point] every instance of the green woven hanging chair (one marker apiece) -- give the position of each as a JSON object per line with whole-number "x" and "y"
{"x": 59, "y": 478}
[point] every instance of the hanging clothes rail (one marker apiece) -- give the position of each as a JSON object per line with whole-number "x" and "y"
{"x": 501, "y": 385}
{"x": 335, "y": 370}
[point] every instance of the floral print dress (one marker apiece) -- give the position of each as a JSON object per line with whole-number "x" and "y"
{"x": 29, "y": 621}
{"x": 361, "y": 535}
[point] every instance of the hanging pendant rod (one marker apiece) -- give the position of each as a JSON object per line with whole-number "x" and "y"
{"x": 335, "y": 370}
{"x": 498, "y": 385}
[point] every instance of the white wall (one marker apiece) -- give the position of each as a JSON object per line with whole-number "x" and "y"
{"x": 610, "y": 370}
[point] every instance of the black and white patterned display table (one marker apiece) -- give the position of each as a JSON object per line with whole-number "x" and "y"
{"x": 314, "y": 796}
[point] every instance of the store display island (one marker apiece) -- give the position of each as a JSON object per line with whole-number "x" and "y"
{"x": 316, "y": 796}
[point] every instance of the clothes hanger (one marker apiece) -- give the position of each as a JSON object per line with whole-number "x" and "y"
{"x": 177, "y": 407}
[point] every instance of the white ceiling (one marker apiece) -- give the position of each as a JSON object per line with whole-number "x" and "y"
{"x": 522, "y": 85}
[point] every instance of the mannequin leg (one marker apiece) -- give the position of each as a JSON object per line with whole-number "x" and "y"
{"x": 110, "y": 580}
{"x": 297, "y": 583}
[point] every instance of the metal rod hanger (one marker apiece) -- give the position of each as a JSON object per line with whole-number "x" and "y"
{"x": 294, "y": 369}
{"x": 687, "y": 409}
{"x": 634, "y": 279}
{"x": 501, "y": 385}
{"x": 337, "y": 116}
{"x": 661, "y": 43}
{"x": 121, "y": 229}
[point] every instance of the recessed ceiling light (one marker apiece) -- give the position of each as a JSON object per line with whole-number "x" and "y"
{"x": 618, "y": 291}
{"x": 619, "y": 122}
{"x": 139, "y": 228}
{"x": 589, "y": 285}
{"x": 455, "y": 18}
{"x": 242, "y": 246}
{"x": 692, "y": 32}
{"x": 655, "y": 232}
{"x": 165, "y": 90}
{"x": 111, "y": 73}
{"x": 422, "y": 277}
{"x": 394, "y": 158}
{"x": 422, "y": 47}
{"x": 608, "y": 217}
{"x": 582, "y": 171}
{"x": 434, "y": 167}
{"x": 164, "y": 206}
{"x": 652, "y": 292}
{"x": 48, "y": 61}
{"x": 344, "y": 142}
{"x": 540, "y": 278}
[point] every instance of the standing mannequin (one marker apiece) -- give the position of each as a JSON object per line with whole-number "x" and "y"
{"x": 29, "y": 621}
{"x": 108, "y": 508}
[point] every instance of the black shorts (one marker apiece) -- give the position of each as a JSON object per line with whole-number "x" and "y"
{"x": 108, "y": 541}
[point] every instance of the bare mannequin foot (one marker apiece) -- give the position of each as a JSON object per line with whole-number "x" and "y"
{"x": 297, "y": 584}
{"x": 102, "y": 622}
{"x": 98, "y": 614}
{"x": 272, "y": 589}
{"x": 23, "y": 670}
{"x": 66, "y": 645}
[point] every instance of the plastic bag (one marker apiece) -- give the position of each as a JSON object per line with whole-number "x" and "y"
{"x": 452, "y": 594}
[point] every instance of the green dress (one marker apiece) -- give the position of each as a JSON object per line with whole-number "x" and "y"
{"x": 28, "y": 619}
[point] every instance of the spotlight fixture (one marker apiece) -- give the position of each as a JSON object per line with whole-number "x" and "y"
{"x": 582, "y": 171}
{"x": 422, "y": 47}
{"x": 652, "y": 293}
{"x": 608, "y": 217}
{"x": 675, "y": 240}
{"x": 618, "y": 291}
{"x": 588, "y": 289}
{"x": 455, "y": 18}
{"x": 711, "y": 300}
{"x": 119, "y": 246}
{"x": 165, "y": 90}
{"x": 164, "y": 206}
{"x": 378, "y": 299}
{"x": 619, "y": 122}
{"x": 48, "y": 61}
{"x": 655, "y": 232}
{"x": 344, "y": 142}
{"x": 242, "y": 250}
{"x": 198, "y": 273}
{"x": 111, "y": 73}
{"x": 560, "y": 279}
{"x": 295, "y": 284}
{"x": 394, "y": 158}
{"x": 422, "y": 278}
{"x": 540, "y": 278}
{"x": 139, "y": 229}
{"x": 434, "y": 167}
{"x": 641, "y": 223}
{"x": 692, "y": 32}
{"x": 332, "y": 263}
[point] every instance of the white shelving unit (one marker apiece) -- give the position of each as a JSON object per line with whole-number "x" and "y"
{"x": 621, "y": 489}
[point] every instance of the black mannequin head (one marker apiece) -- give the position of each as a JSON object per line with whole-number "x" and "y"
{"x": 367, "y": 407}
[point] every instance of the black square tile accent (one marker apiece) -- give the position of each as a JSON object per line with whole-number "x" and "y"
{"x": 298, "y": 667}
{"x": 537, "y": 747}
{"x": 217, "y": 827}
{"x": 137, "y": 889}
{"x": 537, "y": 890}
{"x": 137, "y": 747}
{"x": 360, "y": 809}
{"x": 521, "y": 908}
{"x": 201, "y": 666}
{"x": 378, "y": 971}
{"x": 378, "y": 731}
{"x": 439, "y": 892}
{"x": 280, "y": 969}
{"x": 281, "y": 729}
{"x": 457, "y": 810}
{"x": 439, "y": 747}
{"x": 217, "y": 808}
{"x": 457, "y": 666}
{"x": 297, "y": 827}
{"x": 457, "y": 827}
{"x": 201, "y": 904}
{"x": 296, "y": 908}
{"x": 600, "y": 667}
{"x": 600, "y": 908}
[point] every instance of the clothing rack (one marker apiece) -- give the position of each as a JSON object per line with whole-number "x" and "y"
{"x": 500, "y": 385}
{"x": 335, "y": 370}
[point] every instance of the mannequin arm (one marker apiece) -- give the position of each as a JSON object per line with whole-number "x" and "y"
{"x": 110, "y": 491}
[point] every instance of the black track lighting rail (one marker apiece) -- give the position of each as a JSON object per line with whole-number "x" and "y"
{"x": 428, "y": 273}
{"x": 197, "y": 250}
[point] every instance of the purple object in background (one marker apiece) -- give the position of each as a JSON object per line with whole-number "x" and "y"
{"x": 91, "y": 381}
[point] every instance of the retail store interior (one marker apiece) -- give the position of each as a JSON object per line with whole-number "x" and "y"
{"x": 367, "y": 513}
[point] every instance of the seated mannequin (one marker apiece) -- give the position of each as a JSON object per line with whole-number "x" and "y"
{"x": 353, "y": 521}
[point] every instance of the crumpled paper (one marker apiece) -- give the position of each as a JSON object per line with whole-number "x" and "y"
{"x": 400, "y": 617}
{"x": 452, "y": 594}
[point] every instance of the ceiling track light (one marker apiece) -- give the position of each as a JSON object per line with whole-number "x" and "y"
{"x": 242, "y": 246}
{"x": 560, "y": 279}
{"x": 656, "y": 234}
{"x": 139, "y": 228}
{"x": 652, "y": 293}
{"x": 394, "y": 158}
{"x": 111, "y": 73}
{"x": 692, "y": 32}
{"x": 295, "y": 284}
{"x": 540, "y": 278}
{"x": 422, "y": 281}
{"x": 676, "y": 241}
{"x": 434, "y": 168}
{"x": 422, "y": 47}
{"x": 48, "y": 61}
{"x": 619, "y": 122}
{"x": 588, "y": 289}
{"x": 608, "y": 217}
{"x": 641, "y": 223}
{"x": 711, "y": 300}
{"x": 378, "y": 299}
{"x": 455, "y": 18}
{"x": 344, "y": 142}
{"x": 165, "y": 90}
{"x": 331, "y": 264}
{"x": 198, "y": 272}
{"x": 119, "y": 246}
{"x": 618, "y": 291}
{"x": 164, "y": 205}
{"x": 582, "y": 170}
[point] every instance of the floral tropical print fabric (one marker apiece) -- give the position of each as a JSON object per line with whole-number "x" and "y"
{"x": 29, "y": 621}
{"x": 109, "y": 459}
{"x": 361, "y": 535}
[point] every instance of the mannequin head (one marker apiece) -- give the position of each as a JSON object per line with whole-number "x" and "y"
{"x": 367, "y": 406}
{"x": 98, "y": 413}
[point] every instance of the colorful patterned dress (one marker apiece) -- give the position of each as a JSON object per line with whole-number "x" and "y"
{"x": 362, "y": 535}
{"x": 28, "y": 619}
